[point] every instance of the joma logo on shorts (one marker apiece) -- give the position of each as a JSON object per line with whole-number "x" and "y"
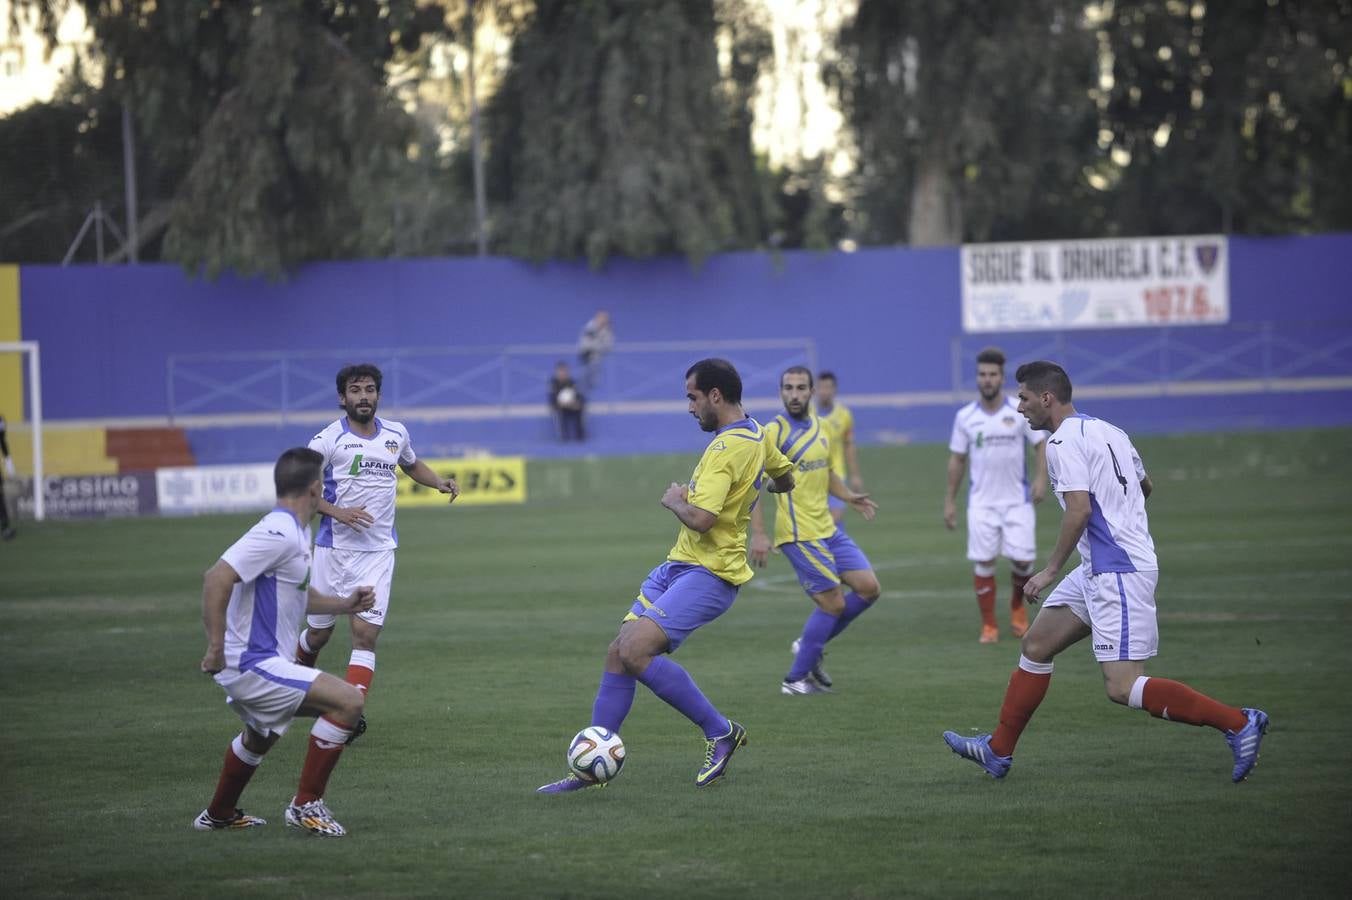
{"x": 1104, "y": 647}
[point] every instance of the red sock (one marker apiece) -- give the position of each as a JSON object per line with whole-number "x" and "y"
{"x": 1026, "y": 690}
{"x": 326, "y": 745}
{"x": 1018, "y": 581}
{"x": 1177, "y": 702}
{"x": 361, "y": 676}
{"x": 985, "y": 598}
{"x": 235, "y": 775}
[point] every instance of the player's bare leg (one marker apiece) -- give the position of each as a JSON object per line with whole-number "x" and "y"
{"x": 637, "y": 651}
{"x": 361, "y": 666}
{"x": 338, "y": 707}
{"x": 1019, "y": 573}
{"x": 242, "y": 759}
{"x": 1127, "y": 683}
{"x": 312, "y": 640}
{"x": 983, "y": 581}
{"x": 1052, "y": 631}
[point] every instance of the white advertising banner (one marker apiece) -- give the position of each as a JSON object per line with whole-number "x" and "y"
{"x": 198, "y": 489}
{"x": 1115, "y": 283}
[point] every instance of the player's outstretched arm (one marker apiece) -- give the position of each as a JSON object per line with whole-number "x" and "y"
{"x": 861, "y": 503}
{"x": 1072, "y": 526}
{"x": 217, "y": 583}
{"x": 425, "y": 475}
{"x": 781, "y": 484}
{"x": 362, "y": 599}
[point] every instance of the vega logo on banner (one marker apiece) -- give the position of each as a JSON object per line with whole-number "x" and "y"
{"x": 1114, "y": 283}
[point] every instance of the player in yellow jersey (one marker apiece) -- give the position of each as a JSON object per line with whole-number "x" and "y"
{"x": 821, "y": 553}
{"x": 839, "y": 422}
{"x": 700, "y": 578}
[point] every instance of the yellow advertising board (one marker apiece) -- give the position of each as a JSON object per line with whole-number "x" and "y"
{"x": 489, "y": 479}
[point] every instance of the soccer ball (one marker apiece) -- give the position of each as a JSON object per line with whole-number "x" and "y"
{"x": 596, "y": 754}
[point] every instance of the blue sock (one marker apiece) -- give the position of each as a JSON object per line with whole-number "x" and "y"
{"x": 854, "y": 607}
{"x": 675, "y": 687}
{"x": 816, "y": 632}
{"x": 613, "y": 699}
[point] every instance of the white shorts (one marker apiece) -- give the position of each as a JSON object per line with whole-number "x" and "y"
{"x": 1008, "y": 531}
{"x": 1118, "y": 607}
{"x": 340, "y": 572}
{"x": 267, "y": 696}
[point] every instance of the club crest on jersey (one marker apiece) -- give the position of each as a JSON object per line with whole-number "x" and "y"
{"x": 1008, "y": 421}
{"x": 392, "y": 445}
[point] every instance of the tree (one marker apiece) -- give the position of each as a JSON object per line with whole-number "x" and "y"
{"x": 267, "y": 131}
{"x": 968, "y": 116}
{"x": 1232, "y": 117}
{"x": 56, "y": 161}
{"x": 615, "y": 133}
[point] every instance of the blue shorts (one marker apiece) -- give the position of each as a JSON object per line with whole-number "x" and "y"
{"x": 820, "y": 563}
{"x": 834, "y": 502}
{"x": 681, "y": 597}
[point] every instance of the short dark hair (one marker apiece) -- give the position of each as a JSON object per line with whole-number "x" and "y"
{"x": 827, "y": 375}
{"x": 797, "y": 370}
{"x": 296, "y": 470}
{"x": 717, "y": 373}
{"x": 349, "y": 374}
{"x": 1045, "y": 376}
{"x": 991, "y": 356}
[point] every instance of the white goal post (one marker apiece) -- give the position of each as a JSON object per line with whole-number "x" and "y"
{"x": 30, "y": 350}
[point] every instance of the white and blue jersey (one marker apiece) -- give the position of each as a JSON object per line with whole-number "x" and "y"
{"x": 1088, "y": 454}
{"x": 362, "y": 471}
{"x": 267, "y": 606}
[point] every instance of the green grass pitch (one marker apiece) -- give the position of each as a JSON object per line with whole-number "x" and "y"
{"x": 110, "y": 739}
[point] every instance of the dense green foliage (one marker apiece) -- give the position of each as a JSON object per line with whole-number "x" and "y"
{"x": 272, "y": 133}
{"x": 500, "y": 618}
{"x": 613, "y": 135}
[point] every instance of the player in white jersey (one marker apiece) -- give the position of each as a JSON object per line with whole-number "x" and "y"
{"x": 355, "y": 545}
{"x": 1000, "y": 521}
{"x": 253, "y": 599}
{"x": 1100, "y": 482}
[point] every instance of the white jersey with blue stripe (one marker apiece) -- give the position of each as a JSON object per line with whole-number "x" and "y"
{"x": 1088, "y": 454}
{"x": 267, "y": 606}
{"x": 362, "y": 471}
{"x": 995, "y": 445}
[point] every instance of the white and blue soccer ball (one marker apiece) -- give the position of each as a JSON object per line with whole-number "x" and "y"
{"x": 596, "y": 754}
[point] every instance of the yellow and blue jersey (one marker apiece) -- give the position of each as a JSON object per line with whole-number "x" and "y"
{"x": 803, "y": 514}
{"x": 727, "y": 482}
{"x": 839, "y": 423}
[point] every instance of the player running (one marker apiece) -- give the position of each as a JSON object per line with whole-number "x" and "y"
{"x": 821, "y": 553}
{"x": 699, "y": 580}
{"x": 1101, "y": 483}
{"x": 362, "y": 455}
